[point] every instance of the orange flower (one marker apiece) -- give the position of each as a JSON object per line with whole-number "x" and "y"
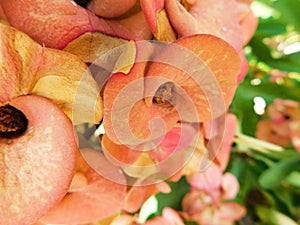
{"x": 37, "y": 140}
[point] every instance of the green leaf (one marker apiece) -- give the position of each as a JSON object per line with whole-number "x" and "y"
{"x": 273, "y": 177}
{"x": 174, "y": 198}
{"x": 243, "y": 104}
{"x": 293, "y": 179}
{"x": 270, "y": 216}
{"x": 247, "y": 174}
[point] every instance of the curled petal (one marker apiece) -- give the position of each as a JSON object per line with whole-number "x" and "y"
{"x": 157, "y": 19}
{"x": 32, "y": 69}
{"x": 76, "y": 92}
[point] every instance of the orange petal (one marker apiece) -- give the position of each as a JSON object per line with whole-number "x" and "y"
{"x": 204, "y": 73}
{"x": 31, "y": 185}
{"x": 119, "y": 154}
{"x": 139, "y": 193}
{"x": 127, "y": 119}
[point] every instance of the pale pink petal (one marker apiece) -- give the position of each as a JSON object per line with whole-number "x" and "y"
{"x": 231, "y": 211}
{"x": 218, "y": 18}
{"x": 230, "y": 186}
{"x": 195, "y": 201}
{"x": 208, "y": 180}
{"x": 172, "y": 216}
{"x": 244, "y": 67}
{"x": 150, "y": 9}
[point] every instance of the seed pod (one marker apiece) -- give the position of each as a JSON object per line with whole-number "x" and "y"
{"x": 13, "y": 122}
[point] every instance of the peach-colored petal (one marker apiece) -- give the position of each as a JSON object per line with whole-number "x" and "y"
{"x": 79, "y": 182}
{"x": 218, "y": 18}
{"x": 151, "y": 9}
{"x": 165, "y": 31}
{"x": 20, "y": 57}
{"x": 264, "y": 131}
{"x": 232, "y": 211}
{"x": 158, "y": 20}
{"x": 244, "y": 68}
{"x": 54, "y": 24}
{"x": 127, "y": 119}
{"x": 2, "y": 14}
{"x": 283, "y": 110}
{"x": 76, "y": 92}
{"x": 249, "y": 24}
{"x": 100, "y": 199}
{"x": 225, "y": 139}
{"x": 226, "y": 214}
{"x": 139, "y": 193}
{"x": 295, "y": 134}
{"x": 172, "y": 216}
{"x": 178, "y": 138}
{"x": 195, "y": 201}
{"x": 91, "y": 45}
{"x": 194, "y": 164}
{"x": 59, "y": 22}
{"x": 124, "y": 220}
{"x": 121, "y": 155}
{"x": 157, "y": 221}
{"x": 110, "y": 8}
{"x": 29, "y": 184}
{"x": 208, "y": 180}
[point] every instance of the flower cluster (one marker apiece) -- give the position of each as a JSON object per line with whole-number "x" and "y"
{"x": 159, "y": 76}
{"x": 283, "y": 125}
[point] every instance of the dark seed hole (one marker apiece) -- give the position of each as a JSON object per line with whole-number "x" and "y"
{"x": 82, "y": 3}
{"x": 13, "y": 122}
{"x": 165, "y": 94}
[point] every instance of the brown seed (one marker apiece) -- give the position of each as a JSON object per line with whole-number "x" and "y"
{"x": 13, "y": 122}
{"x": 164, "y": 96}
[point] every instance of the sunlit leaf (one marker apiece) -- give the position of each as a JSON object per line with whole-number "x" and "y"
{"x": 271, "y": 216}
{"x": 273, "y": 177}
